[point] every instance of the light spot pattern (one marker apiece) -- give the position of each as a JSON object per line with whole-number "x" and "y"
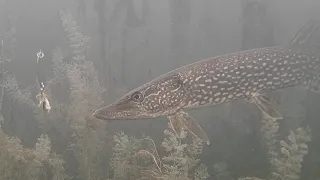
{"x": 239, "y": 75}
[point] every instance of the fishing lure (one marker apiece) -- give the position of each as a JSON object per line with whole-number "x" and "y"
{"x": 42, "y": 96}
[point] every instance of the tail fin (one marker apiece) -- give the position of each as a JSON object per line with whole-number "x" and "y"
{"x": 308, "y": 37}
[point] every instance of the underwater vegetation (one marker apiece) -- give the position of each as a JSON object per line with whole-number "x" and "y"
{"x": 74, "y": 145}
{"x": 286, "y": 156}
{"x": 132, "y": 160}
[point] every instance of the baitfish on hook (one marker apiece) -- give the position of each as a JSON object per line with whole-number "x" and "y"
{"x": 43, "y": 102}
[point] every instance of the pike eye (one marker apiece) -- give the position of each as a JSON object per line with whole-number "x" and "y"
{"x": 137, "y": 96}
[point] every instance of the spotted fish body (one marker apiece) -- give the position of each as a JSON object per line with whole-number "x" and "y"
{"x": 240, "y": 75}
{"x": 220, "y": 79}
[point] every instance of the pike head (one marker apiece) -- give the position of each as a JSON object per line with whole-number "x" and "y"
{"x": 162, "y": 96}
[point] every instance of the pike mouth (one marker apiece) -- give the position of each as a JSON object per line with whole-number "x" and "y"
{"x": 113, "y": 112}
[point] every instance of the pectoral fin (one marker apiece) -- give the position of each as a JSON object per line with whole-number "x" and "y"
{"x": 265, "y": 106}
{"x": 183, "y": 120}
{"x": 176, "y": 124}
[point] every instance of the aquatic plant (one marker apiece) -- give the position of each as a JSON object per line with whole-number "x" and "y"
{"x": 84, "y": 139}
{"x": 45, "y": 158}
{"x": 18, "y": 162}
{"x": 123, "y": 160}
{"x": 269, "y": 129}
{"x": 85, "y": 95}
{"x": 80, "y": 72}
{"x": 286, "y": 164}
{"x": 179, "y": 163}
{"x": 220, "y": 171}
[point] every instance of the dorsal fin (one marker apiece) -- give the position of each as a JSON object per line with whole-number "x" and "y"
{"x": 303, "y": 36}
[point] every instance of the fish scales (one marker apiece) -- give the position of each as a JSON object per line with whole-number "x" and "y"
{"x": 239, "y": 75}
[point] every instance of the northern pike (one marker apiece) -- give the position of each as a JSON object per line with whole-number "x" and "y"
{"x": 241, "y": 75}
